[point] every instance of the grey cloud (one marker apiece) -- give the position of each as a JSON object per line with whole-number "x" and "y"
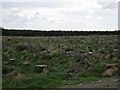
{"x": 48, "y": 4}
{"x": 55, "y": 16}
{"x": 14, "y": 18}
{"x": 108, "y": 5}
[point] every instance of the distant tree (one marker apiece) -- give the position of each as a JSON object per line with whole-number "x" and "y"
{"x": 13, "y": 32}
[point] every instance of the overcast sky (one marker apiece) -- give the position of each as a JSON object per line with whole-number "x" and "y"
{"x": 60, "y": 14}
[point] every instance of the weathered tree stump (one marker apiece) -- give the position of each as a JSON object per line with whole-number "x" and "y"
{"x": 40, "y": 68}
{"x": 12, "y": 59}
{"x": 110, "y": 69}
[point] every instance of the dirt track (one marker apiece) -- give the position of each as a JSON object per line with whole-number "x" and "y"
{"x": 105, "y": 83}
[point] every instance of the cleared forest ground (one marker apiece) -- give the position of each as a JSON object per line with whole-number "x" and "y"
{"x": 52, "y": 62}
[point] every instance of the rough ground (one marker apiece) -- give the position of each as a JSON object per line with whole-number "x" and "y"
{"x": 105, "y": 83}
{"x": 70, "y": 60}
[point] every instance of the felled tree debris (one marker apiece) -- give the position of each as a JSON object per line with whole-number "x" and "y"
{"x": 111, "y": 65}
{"x": 77, "y": 53}
{"x": 15, "y": 74}
{"x": 22, "y": 47}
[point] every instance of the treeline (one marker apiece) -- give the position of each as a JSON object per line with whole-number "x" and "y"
{"x": 13, "y": 32}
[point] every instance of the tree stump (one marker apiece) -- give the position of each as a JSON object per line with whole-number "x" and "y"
{"x": 110, "y": 69}
{"x": 40, "y": 68}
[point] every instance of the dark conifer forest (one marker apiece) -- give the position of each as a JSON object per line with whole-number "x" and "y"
{"x": 17, "y": 32}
